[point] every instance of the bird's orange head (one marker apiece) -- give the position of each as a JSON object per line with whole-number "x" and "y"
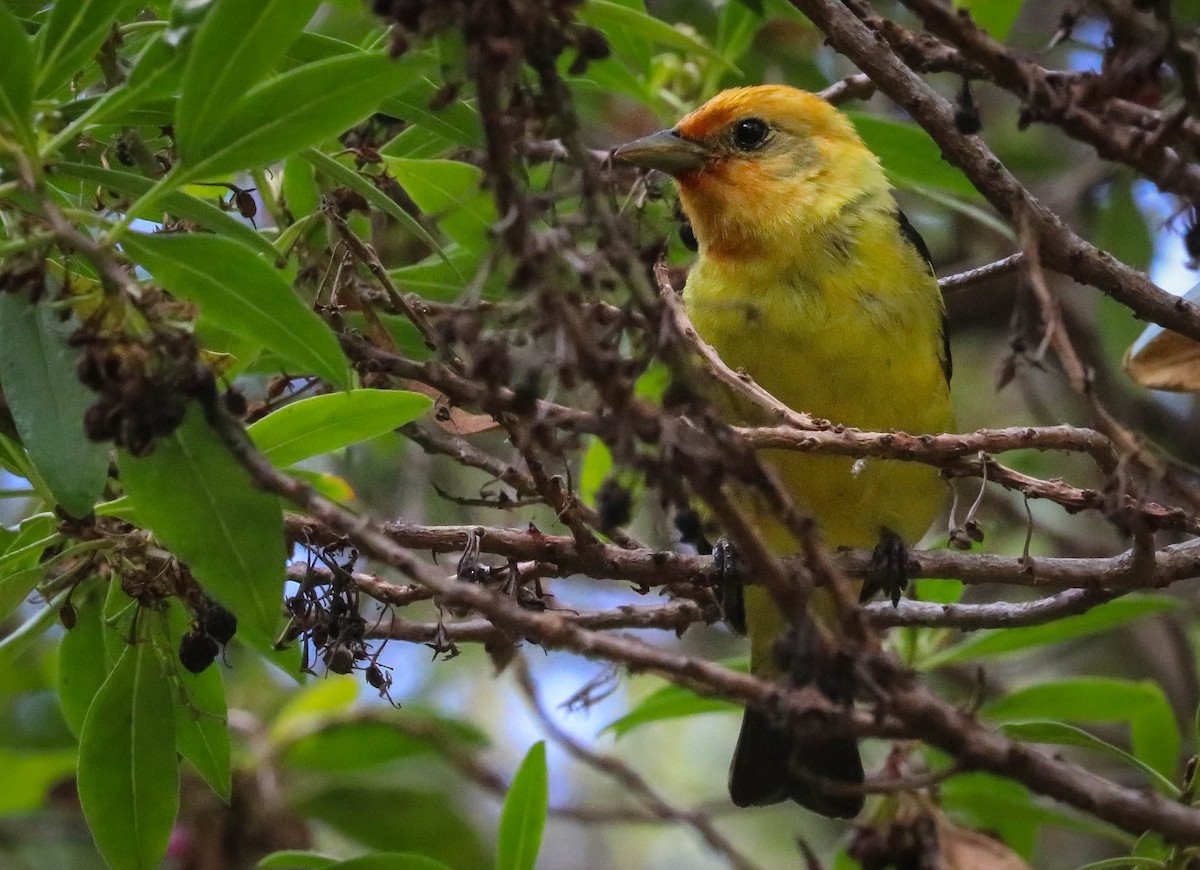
{"x": 756, "y": 166}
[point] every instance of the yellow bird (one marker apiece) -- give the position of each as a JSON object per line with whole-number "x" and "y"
{"x": 810, "y": 279}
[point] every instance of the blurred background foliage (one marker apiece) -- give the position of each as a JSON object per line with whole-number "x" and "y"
{"x": 324, "y": 764}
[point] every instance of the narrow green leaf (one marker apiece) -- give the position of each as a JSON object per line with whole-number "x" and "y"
{"x": 457, "y": 123}
{"x": 360, "y": 743}
{"x": 597, "y": 462}
{"x": 239, "y": 291}
{"x": 69, "y": 39}
{"x": 302, "y": 107}
{"x": 982, "y": 213}
{"x": 236, "y": 46}
{"x": 390, "y": 819}
{"x": 352, "y": 746}
{"x": 908, "y": 153}
{"x": 82, "y": 659}
{"x": 450, "y": 191}
{"x": 37, "y": 370}
{"x": 1120, "y": 227}
{"x": 20, "y": 562}
{"x": 343, "y": 175}
{"x": 322, "y": 424}
{"x": 673, "y": 702}
{"x": 299, "y": 188}
{"x": 1127, "y": 861}
{"x": 201, "y": 730}
{"x": 15, "y": 587}
{"x": 1062, "y": 734}
{"x": 16, "y": 73}
{"x": 155, "y": 77}
{"x": 523, "y": 817}
{"x": 994, "y": 16}
{"x": 176, "y": 202}
{"x": 128, "y": 776}
{"x": 294, "y": 859}
{"x": 201, "y": 503}
{"x": 391, "y": 861}
{"x": 438, "y": 277}
{"x": 1003, "y": 641}
{"x": 29, "y": 777}
{"x": 993, "y": 803}
{"x": 1154, "y": 733}
{"x": 605, "y": 15}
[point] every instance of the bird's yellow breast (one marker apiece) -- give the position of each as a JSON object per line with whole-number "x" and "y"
{"x": 844, "y": 324}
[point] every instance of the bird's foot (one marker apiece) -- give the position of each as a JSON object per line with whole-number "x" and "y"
{"x": 727, "y": 568}
{"x": 888, "y": 571}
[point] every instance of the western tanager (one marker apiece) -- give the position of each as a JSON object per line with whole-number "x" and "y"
{"x": 811, "y": 280}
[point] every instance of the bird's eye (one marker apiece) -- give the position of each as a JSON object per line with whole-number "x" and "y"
{"x": 749, "y": 133}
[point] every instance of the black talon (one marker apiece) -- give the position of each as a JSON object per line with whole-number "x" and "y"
{"x": 888, "y": 571}
{"x": 727, "y": 567}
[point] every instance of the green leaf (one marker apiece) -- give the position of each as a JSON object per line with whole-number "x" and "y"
{"x": 1004, "y": 641}
{"x": 1120, "y": 227}
{"x": 322, "y": 424}
{"x": 606, "y": 15}
{"x": 672, "y": 702}
{"x": 294, "y": 859}
{"x": 523, "y": 817}
{"x": 201, "y": 730}
{"x": 16, "y": 73}
{"x": 439, "y": 277}
{"x": 450, "y": 191}
{"x": 1061, "y": 734}
{"x": 457, "y": 123}
{"x": 128, "y": 776}
{"x": 176, "y": 202}
{"x": 20, "y": 639}
{"x": 82, "y": 659}
{"x": 390, "y": 819}
{"x": 239, "y": 291}
{"x": 939, "y": 591}
{"x": 356, "y": 744}
{"x": 69, "y": 39}
{"x": 1127, "y": 861}
{"x": 1154, "y": 732}
{"x": 15, "y": 587}
{"x": 236, "y": 46}
{"x": 597, "y": 462}
{"x": 302, "y": 107}
{"x": 992, "y": 803}
{"x": 20, "y": 561}
{"x": 994, "y": 16}
{"x": 315, "y": 702}
{"x": 37, "y": 370}
{"x": 299, "y": 187}
{"x": 391, "y": 861}
{"x": 201, "y": 503}
{"x": 29, "y": 777}
{"x": 909, "y": 155}
{"x": 343, "y": 175}
{"x": 353, "y": 746}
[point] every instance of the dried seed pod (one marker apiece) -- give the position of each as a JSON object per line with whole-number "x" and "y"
{"x": 197, "y": 651}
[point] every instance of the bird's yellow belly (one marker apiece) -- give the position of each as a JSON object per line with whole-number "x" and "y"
{"x": 854, "y": 374}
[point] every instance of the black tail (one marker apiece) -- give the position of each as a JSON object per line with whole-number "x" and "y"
{"x": 769, "y": 766}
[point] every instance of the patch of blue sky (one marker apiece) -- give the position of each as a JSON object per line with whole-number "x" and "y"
{"x": 1169, "y": 268}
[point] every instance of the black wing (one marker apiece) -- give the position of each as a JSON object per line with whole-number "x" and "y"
{"x": 914, "y": 238}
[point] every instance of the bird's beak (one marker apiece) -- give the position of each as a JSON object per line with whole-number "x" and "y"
{"x": 668, "y": 151}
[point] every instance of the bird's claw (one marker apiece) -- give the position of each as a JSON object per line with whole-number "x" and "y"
{"x": 888, "y": 571}
{"x": 727, "y": 568}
